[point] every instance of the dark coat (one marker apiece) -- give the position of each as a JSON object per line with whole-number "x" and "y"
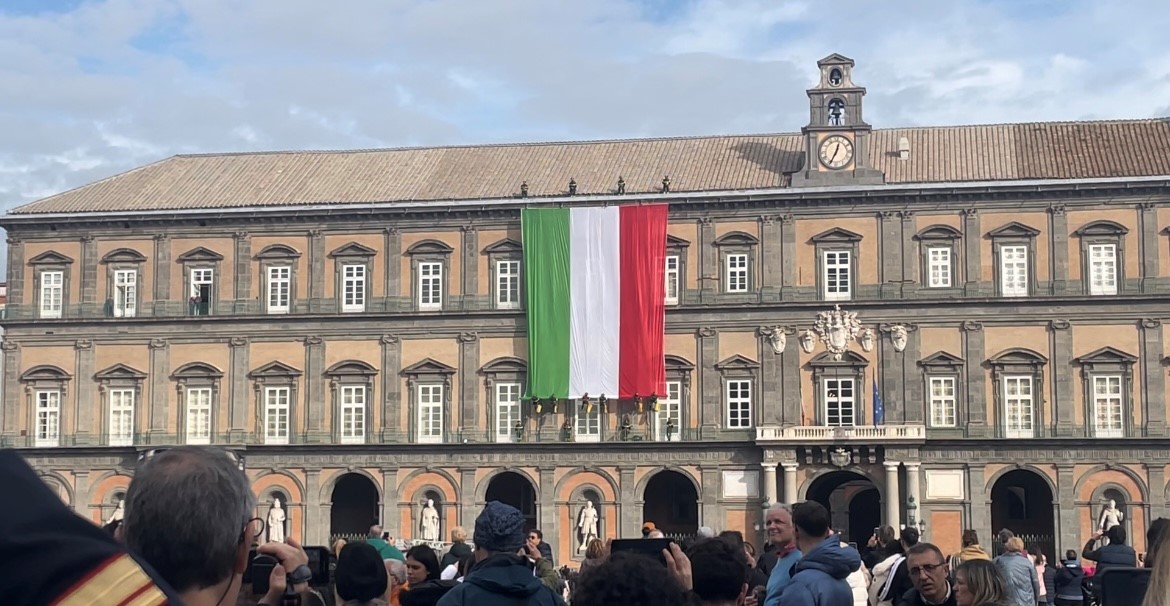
{"x": 457, "y": 552}
{"x": 818, "y": 579}
{"x": 503, "y": 580}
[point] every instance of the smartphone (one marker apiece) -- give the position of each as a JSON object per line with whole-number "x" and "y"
{"x": 319, "y": 564}
{"x": 385, "y": 536}
{"x": 648, "y": 547}
{"x": 877, "y": 530}
{"x": 259, "y": 571}
{"x": 853, "y": 544}
{"x": 760, "y": 593}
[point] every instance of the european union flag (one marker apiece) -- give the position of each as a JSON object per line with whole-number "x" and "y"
{"x": 879, "y": 409}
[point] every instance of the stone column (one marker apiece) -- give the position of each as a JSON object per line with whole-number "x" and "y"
{"x": 1058, "y": 250}
{"x": 771, "y": 259}
{"x": 316, "y": 270}
{"x": 16, "y": 273}
{"x": 892, "y": 494}
{"x": 790, "y": 495}
{"x": 1153, "y": 374}
{"x": 788, "y": 257}
{"x": 469, "y": 286}
{"x": 1148, "y": 243}
{"x": 469, "y": 411}
{"x": 159, "y": 372}
{"x": 890, "y": 268}
{"x": 467, "y": 504}
{"x": 976, "y": 379}
{"x": 242, "y": 271}
{"x": 1068, "y": 527}
{"x": 162, "y": 275}
{"x": 13, "y": 390}
{"x": 393, "y": 267}
{"x": 81, "y": 492}
{"x": 83, "y": 433}
{"x": 709, "y": 497}
{"x": 629, "y": 512}
{"x": 315, "y": 401}
{"x": 548, "y": 509}
{"x": 390, "y": 500}
{"x": 1156, "y": 480}
{"x": 771, "y": 411}
{"x": 708, "y": 261}
{"x": 1062, "y": 378}
{"x": 710, "y": 385}
{"x": 972, "y": 263}
{"x": 90, "y": 305}
{"x": 391, "y": 388}
{"x": 239, "y": 398}
{"x": 980, "y": 502}
{"x": 315, "y": 530}
{"x": 913, "y": 487}
{"x": 769, "y": 489}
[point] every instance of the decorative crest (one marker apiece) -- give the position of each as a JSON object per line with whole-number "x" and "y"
{"x": 836, "y": 329}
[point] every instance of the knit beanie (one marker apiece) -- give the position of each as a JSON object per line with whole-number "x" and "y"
{"x": 499, "y": 529}
{"x": 360, "y": 574}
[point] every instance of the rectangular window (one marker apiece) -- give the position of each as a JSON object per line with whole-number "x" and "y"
{"x": 430, "y": 414}
{"x": 739, "y": 404}
{"x": 840, "y": 402}
{"x": 588, "y": 424}
{"x": 507, "y": 284}
{"x": 430, "y": 285}
{"x": 199, "y": 415}
{"x": 1013, "y": 271}
{"x": 669, "y": 410}
{"x": 672, "y": 283}
{"x": 48, "y": 418}
{"x": 52, "y": 293}
{"x": 202, "y": 290}
{"x": 507, "y": 411}
{"x": 353, "y": 414}
{"x": 1107, "y": 407}
{"x": 276, "y": 415}
{"x": 938, "y": 267}
{"x": 279, "y": 289}
{"x": 1018, "y": 402}
{"x": 943, "y": 407}
{"x": 737, "y": 273}
{"x": 353, "y": 288}
{"x": 1102, "y": 269}
{"x": 121, "y": 417}
{"x": 838, "y": 275}
{"x": 125, "y": 293}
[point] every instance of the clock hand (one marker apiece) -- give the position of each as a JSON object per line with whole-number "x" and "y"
{"x": 836, "y": 150}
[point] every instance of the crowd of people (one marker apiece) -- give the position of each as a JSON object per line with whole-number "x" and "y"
{"x": 188, "y": 536}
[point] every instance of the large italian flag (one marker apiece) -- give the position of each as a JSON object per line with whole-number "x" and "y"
{"x": 595, "y": 291}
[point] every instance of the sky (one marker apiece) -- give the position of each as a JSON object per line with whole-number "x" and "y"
{"x": 93, "y": 88}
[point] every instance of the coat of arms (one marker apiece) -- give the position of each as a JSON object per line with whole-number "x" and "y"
{"x": 836, "y": 329}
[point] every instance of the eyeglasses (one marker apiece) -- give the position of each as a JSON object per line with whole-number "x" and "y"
{"x": 245, "y": 535}
{"x": 927, "y": 568}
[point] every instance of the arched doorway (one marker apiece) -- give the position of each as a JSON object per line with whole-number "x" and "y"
{"x": 672, "y": 503}
{"x": 853, "y": 501}
{"x": 514, "y": 489}
{"x": 354, "y": 507}
{"x": 1021, "y": 501}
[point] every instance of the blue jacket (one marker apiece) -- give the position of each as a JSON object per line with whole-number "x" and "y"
{"x": 818, "y": 579}
{"x": 1020, "y": 580}
{"x": 781, "y": 575}
{"x": 503, "y": 579}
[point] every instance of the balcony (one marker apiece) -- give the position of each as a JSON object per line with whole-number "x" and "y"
{"x": 869, "y": 434}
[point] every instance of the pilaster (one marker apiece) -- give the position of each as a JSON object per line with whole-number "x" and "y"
{"x": 1156, "y": 480}
{"x": 13, "y": 390}
{"x": 709, "y": 497}
{"x": 912, "y": 386}
{"x": 389, "y": 512}
{"x": 391, "y": 388}
{"x": 83, "y": 434}
{"x": 891, "y": 494}
{"x": 81, "y": 491}
{"x": 788, "y": 256}
{"x": 1147, "y": 246}
{"x": 15, "y": 272}
{"x": 914, "y": 487}
{"x": 393, "y": 267}
{"x": 469, "y": 387}
{"x": 708, "y": 261}
{"x": 318, "y": 533}
{"x": 790, "y": 496}
{"x": 889, "y": 385}
{"x": 239, "y": 398}
{"x": 1058, "y": 248}
{"x": 768, "y": 490}
{"x": 469, "y": 284}
{"x": 975, "y": 379}
{"x": 771, "y": 410}
{"x": 909, "y": 254}
{"x": 771, "y": 259}
{"x": 548, "y": 507}
{"x": 316, "y": 270}
{"x": 972, "y": 253}
{"x": 890, "y": 269}
{"x": 315, "y": 400}
{"x": 629, "y": 504}
{"x": 1068, "y": 526}
{"x": 791, "y": 385}
{"x": 162, "y": 274}
{"x": 89, "y": 275}
{"x": 1154, "y": 376}
{"x": 980, "y": 499}
{"x": 710, "y": 400}
{"x": 1062, "y": 378}
{"x": 242, "y": 271}
{"x": 467, "y": 504}
{"x": 159, "y": 372}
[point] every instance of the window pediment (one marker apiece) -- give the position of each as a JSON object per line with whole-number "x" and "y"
{"x": 430, "y": 247}
{"x": 428, "y": 366}
{"x": 197, "y": 370}
{"x": 120, "y": 372}
{"x": 1106, "y": 356}
{"x": 938, "y": 232}
{"x": 676, "y": 242}
{"x": 836, "y": 235}
{"x": 124, "y": 255}
{"x": 353, "y": 249}
{"x": 505, "y": 246}
{"x": 736, "y": 238}
{"x": 1102, "y": 228}
{"x": 351, "y": 368}
{"x": 504, "y": 365}
{"x": 849, "y": 359}
{"x": 681, "y": 364}
{"x": 1015, "y": 229}
{"x": 278, "y": 251}
{"x": 45, "y": 372}
{"x": 737, "y": 362}
{"x": 1018, "y": 358}
{"x": 50, "y": 257}
{"x": 277, "y": 369}
{"x": 941, "y": 360}
{"x": 198, "y": 254}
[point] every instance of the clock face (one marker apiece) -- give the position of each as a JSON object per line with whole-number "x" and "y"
{"x": 836, "y": 152}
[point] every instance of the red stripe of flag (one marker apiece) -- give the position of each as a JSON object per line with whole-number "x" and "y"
{"x": 641, "y": 351}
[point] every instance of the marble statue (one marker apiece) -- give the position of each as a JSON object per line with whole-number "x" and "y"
{"x": 587, "y": 525}
{"x": 1110, "y": 516}
{"x": 898, "y": 337}
{"x": 430, "y": 522}
{"x": 275, "y": 522}
{"x": 119, "y": 511}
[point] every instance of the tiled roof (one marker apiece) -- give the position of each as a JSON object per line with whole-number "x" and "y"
{"x": 1006, "y": 152}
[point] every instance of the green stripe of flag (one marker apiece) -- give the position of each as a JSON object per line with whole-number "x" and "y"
{"x": 546, "y": 269}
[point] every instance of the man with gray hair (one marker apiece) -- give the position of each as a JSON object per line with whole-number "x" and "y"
{"x": 189, "y": 514}
{"x": 778, "y": 523}
{"x": 396, "y": 571}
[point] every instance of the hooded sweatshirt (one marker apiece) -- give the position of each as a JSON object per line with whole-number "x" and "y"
{"x": 1069, "y": 577}
{"x": 818, "y": 579}
{"x": 502, "y": 579}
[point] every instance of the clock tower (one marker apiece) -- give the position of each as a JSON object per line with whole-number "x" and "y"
{"x": 836, "y": 150}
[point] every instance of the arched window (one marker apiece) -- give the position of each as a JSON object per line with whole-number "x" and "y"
{"x": 836, "y": 112}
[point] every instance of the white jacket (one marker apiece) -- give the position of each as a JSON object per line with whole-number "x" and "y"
{"x": 859, "y": 582}
{"x": 883, "y": 573}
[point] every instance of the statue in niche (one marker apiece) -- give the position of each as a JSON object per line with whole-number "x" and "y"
{"x": 119, "y": 511}
{"x": 587, "y": 522}
{"x": 276, "y": 519}
{"x": 430, "y": 522}
{"x": 1110, "y": 517}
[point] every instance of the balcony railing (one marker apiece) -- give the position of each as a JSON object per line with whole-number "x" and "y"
{"x": 831, "y": 435}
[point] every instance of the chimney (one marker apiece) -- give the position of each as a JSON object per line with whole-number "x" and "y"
{"x": 903, "y": 148}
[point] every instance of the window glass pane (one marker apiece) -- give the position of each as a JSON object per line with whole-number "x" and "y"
{"x": 672, "y": 276}
{"x": 52, "y": 294}
{"x": 276, "y": 415}
{"x": 430, "y": 285}
{"x": 1102, "y": 269}
{"x": 199, "y": 416}
{"x": 739, "y": 404}
{"x": 1108, "y": 407}
{"x": 430, "y": 411}
{"x": 938, "y": 266}
{"x": 353, "y": 291}
{"x": 507, "y": 411}
{"x": 737, "y": 273}
{"x": 125, "y": 293}
{"x": 1018, "y": 407}
{"x": 943, "y": 407}
{"x": 840, "y": 402}
{"x": 507, "y": 284}
{"x": 838, "y": 274}
{"x": 1014, "y": 270}
{"x": 669, "y": 409}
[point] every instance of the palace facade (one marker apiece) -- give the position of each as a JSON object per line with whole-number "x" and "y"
{"x": 940, "y": 327}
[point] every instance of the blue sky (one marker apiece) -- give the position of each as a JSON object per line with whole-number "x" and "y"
{"x": 92, "y": 88}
